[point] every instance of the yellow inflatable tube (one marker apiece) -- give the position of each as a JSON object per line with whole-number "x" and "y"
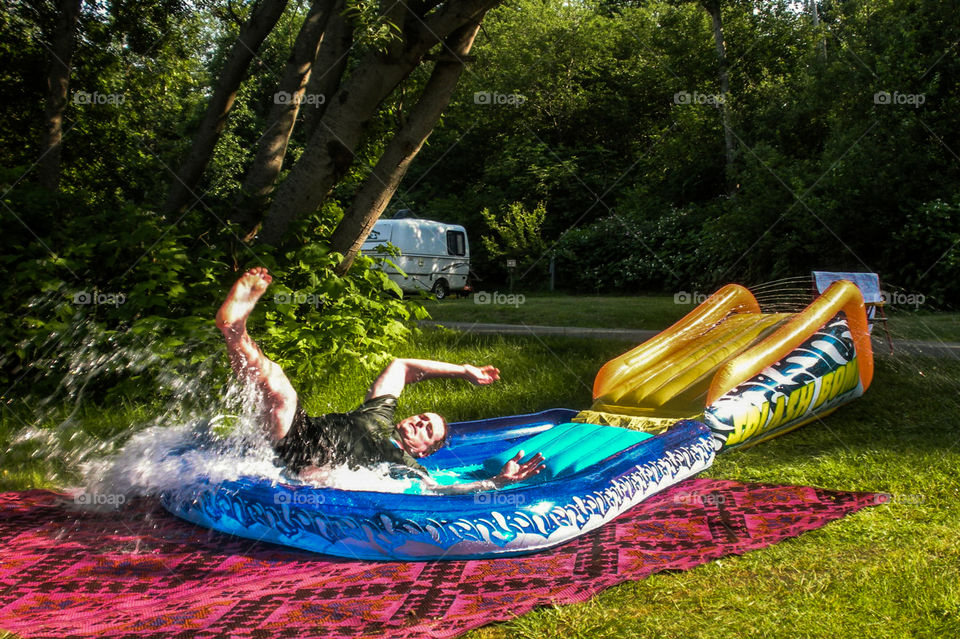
{"x": 749, "y": 375}
{"x": 732, "y": 298}
{"x": 841, "y": 296}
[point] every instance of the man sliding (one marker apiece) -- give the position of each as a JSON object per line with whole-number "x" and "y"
{"x": 309, "y": 446}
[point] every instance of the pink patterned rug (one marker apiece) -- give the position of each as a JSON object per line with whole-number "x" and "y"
{"x": 141, "y": 572}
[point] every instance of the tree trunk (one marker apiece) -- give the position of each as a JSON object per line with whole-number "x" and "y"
{"x": 815, "y": 17}
{"x": 263, "y": 18}
{"x": 328, "y": 68}
{"x": 382, "y": 183}
{"x": 713, "y": 8}
{"x": 58, "y": 85}
{"x": 272, "y": 146}
{"x": 329, "y": 153}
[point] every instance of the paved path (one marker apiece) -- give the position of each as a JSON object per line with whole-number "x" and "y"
{"x": 880, "y": 347}
{"x": 917, "y": 347}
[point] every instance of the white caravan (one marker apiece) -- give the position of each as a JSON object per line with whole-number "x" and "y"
{"x": 435, "y": 256}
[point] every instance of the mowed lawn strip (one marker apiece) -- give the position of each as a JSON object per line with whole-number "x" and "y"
{"x": 642, "y": 313}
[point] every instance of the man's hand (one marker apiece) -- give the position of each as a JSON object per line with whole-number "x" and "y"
{"x": 513, "y": 471}
{"x": 481, "y": 376}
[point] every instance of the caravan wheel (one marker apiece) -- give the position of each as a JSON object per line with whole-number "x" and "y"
{"x": 440, "y": 289}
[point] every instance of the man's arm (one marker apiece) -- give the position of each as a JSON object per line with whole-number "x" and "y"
{"x": 512, "y": 472}
{"x": 401, "y": 372}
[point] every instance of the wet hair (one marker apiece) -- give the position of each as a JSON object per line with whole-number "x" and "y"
{"x": 440, "y": 444}
{"x": 446, "y": 436}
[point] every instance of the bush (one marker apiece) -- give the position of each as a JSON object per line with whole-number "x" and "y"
{"x": 926, "y": 251}
{"x": 115, "y": 302}
{"x": 631, "y": 255}
{"x": 516, "y": 234}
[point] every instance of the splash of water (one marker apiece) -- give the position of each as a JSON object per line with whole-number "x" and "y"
{"x": 200, "y": 424}
{"x": 163, "y": 458}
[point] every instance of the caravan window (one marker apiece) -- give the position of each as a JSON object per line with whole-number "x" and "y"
{"x": 456, "y": 243}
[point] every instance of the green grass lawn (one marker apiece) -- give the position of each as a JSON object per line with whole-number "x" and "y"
{"x": 563, "y": 310}
{"x": 889, "y": 571}
{"x": 925, "y": 326}
{"x": 646, "y": 312}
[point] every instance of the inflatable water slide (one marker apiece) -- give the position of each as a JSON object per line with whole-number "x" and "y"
{"x": 747, "y": 374}
{"x": 727, "y": 375}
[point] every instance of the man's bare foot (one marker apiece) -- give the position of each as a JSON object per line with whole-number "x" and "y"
{"x": 242, "y": 298}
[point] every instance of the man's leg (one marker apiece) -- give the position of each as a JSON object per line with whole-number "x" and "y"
{"x": 248, "y": 361}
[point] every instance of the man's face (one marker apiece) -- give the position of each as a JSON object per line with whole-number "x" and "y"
{"x": 420, "y": 434}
